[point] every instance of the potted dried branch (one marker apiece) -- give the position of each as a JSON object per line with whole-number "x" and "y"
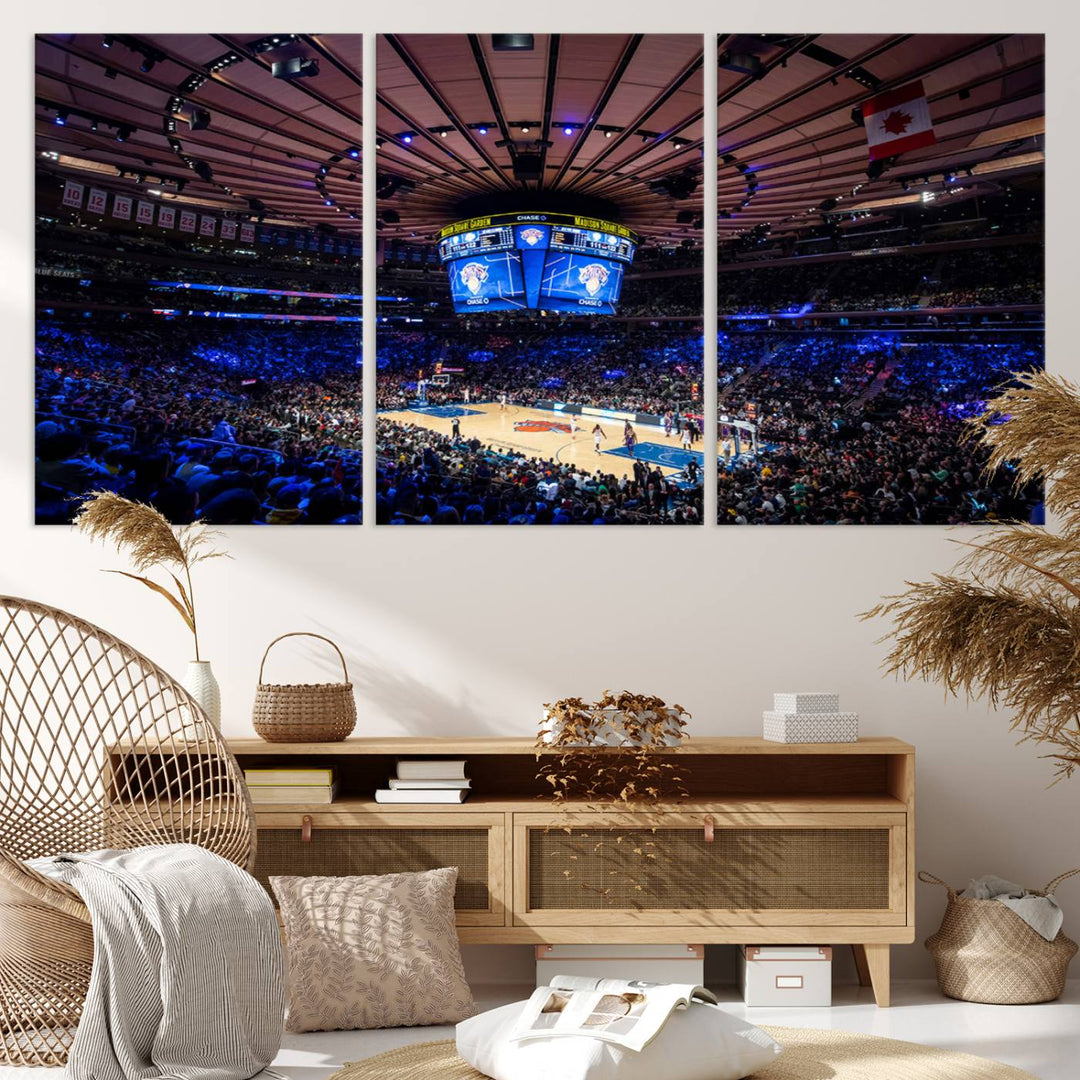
{"x": 1004, "y": 625}
{"x": 614, "y": 754}
{"x": 151, "y": 543}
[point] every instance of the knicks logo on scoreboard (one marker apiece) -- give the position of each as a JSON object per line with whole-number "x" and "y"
{"x": 473, "y": 275}
{"x": 593, "y": 277}
{"x": 542, "y": 425}
{"x": 531, "y": 236}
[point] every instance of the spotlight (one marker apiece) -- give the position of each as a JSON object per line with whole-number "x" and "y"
{"x": 111, "y": 73}
{"x": 676, "y": 144}
{"x": 481, "y": 130}
{"x": 106, "y": 41}
{"x": 353, "y": 151}
{"x": 93, "y": 125}
{"x": 524, "y": 129}
{"x": 380, "y": 143}
{"x": 124, "y": 132}
{"x": 203, "y": 171}
{"x": 442, "y": 134}
{"x": 568, "y": 130}
{"x": 875, "y": 169}
{"x": 950, "y": 176}
{"x": 608, "y": 134}
{"x": 147, "y": 65}
{"x": 61, "y": 118}
{"x": 199, "y": 119}
{"x": 511, "y": 42}
{"x": 328, "y": 202}
{"x": 298, "y": 67}
{"x": 406, "y": 138}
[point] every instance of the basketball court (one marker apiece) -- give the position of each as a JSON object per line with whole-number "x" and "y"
{"x": 546, "y": 434}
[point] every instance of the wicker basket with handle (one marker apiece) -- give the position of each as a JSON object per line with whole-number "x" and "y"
{"x": 985, "y": 952}
{"x": 320, "y": 712}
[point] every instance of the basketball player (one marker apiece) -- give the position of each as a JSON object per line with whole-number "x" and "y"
{"x": 598, "y": 433}
{"x": 668, "y": 422}
{"x": 466, "y": 395}
{"x": 687, "y": 436}
{"x": 629, "y": 438}
{"x": 503, "y": 398}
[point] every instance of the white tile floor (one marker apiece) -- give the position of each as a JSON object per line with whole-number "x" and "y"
{"x": 1043, "y": 1039}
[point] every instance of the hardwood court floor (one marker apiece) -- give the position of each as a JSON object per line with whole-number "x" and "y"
{"x": 546, "y": 434}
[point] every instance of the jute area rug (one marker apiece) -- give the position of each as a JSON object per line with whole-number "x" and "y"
{"x": 808, "y": 1055}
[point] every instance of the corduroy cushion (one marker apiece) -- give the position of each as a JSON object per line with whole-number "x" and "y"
{"x": 373, "y": 952}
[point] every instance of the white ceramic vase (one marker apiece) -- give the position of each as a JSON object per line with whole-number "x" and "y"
{"x": 200, "y": 683}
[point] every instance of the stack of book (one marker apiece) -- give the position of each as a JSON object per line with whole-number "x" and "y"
{"x": 430, "y": 781}
{"x": 299, "y": 786}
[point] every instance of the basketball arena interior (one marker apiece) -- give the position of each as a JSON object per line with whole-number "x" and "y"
{"x": 539, "y": 220}
{"x": 868, "y": 307}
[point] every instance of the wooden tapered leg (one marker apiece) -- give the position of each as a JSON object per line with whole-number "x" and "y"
{"x": 876, "y": 961}
{"x": 861, "y": 965}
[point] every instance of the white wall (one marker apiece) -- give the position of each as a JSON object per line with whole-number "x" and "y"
{"x": 468, "y": 631}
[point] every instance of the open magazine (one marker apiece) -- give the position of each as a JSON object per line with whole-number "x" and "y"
{"x": 615, "y": 1010}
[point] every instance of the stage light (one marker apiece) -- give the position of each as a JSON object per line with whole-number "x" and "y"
{"x": 198, "y": 119}
{"x": 61, "y": 119}
{"x": 524, "y": 129}
{"x": 124, "y": 132}
{"x": 442, "y": 134}
{"x": 406, "y": 138}
{"x": 328, "y": 202}
{"x": 481, "y": 130}
{"x": 950, "y": 177}
{"x": 298, "y": 67}
{"x": 147, "y": 65}
{"x": 568, "y": 130}
{"x": 353, "y": 152}
{"x": 93, "y": 125}
{"x": 203, "y": 171}
{"x": 111, "y": 73}
{"x": 106, "y": 41}
{"x": 608, "y": 134}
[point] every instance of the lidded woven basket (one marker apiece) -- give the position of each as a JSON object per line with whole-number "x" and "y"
{"x": 985, "y": 952}
{"x": 304, "y": 712}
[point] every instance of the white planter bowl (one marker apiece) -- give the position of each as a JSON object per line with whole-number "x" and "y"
{"x": 610, "y": 732}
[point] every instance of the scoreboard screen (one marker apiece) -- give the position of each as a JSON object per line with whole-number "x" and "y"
{"x": 555, "y": 262}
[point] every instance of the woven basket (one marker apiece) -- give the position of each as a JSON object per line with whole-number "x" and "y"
{"x": 985, "y": 952}
{"x": 321, "y": 712}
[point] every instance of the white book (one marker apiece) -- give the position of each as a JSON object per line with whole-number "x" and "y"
{"x": 431, "y": 795}
{"x": 431, "y": 770}
{"x": 429, "y": 785}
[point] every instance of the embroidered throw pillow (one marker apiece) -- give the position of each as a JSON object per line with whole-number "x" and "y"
{"x": 373, "y": 952}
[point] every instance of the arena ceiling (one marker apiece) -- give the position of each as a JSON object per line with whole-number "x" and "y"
{"x": 791, "y": 151}
{"x": 268, "y": 139}
{"x": 610, "y": 117}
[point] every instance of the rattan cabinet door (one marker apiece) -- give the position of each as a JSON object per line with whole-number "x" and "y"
{"x": 790, "y": 869}
{"x": 344, "y": 844}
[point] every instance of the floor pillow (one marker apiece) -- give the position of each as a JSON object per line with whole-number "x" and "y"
{"x": 372, "y": 952}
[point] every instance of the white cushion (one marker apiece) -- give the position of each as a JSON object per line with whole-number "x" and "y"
{"x": 701, "y": 1042}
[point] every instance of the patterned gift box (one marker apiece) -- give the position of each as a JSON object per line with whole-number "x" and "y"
{"x": 817, "y": 728}
{"x": 806, "y": 704}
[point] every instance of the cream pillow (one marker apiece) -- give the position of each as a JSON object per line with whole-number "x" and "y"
{"x": 701, "y": 1042}
{"x": 373, "y": 952}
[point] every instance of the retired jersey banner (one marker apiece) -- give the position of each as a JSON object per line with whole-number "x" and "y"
{"x": 247, "y": 233}
{"x": 207, "y": 225}
{"x": 166, "y": 217}
{"x": 898, "y": 121}
{"x": 228, "y": 229}
{"x": 144, "y": 212}
{"x": 73, "y": 193}
{"x": 187, "y": 221}
{"x": 121, "y": 207}
{"x": 97, "y": 201}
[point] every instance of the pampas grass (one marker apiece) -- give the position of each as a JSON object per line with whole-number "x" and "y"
{"x": 1005, "y": 624}
{"x": 145, "y": 536}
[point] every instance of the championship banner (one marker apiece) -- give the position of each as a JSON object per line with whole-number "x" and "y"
{"x": 121, "y": 207}
{"x": 144, "y": 212}
{"x": 207, "y": 226}
{"x": 299, "y": 241}
{"x": 187, "y": 221}
{"x": 73, "y": 193}
{"x": 97, "y": 201}
{"x": 228, "y": 229}
{"x": 166, "y": 217}
{"x": 898, "y": 121}
{"x": 247, "y": 233}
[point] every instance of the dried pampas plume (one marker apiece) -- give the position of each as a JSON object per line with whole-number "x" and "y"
{"x": 1005, "y": 624}
{"x": 150, "y": 542}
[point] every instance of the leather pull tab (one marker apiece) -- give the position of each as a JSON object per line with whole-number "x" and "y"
{"x": 305, "y": 829}
{"x": 709, "y": 830}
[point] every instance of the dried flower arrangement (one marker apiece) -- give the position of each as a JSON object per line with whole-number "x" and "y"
{"x": 614, "y": 754}
{"x": 150, "y": 542}
{"x": 1009, "y": 629}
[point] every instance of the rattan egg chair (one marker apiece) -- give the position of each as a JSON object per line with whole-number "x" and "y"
{"x": 99, "y": 748}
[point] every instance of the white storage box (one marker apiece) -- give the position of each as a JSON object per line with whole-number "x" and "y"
{"x": 803, "y": 702}
{"x": 782, "y": 976}
{"x": 645, "y": 963}
{"x": 811, "y": 727}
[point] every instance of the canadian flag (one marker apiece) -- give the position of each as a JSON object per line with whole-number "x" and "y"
{"x": 898, "y": 121}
